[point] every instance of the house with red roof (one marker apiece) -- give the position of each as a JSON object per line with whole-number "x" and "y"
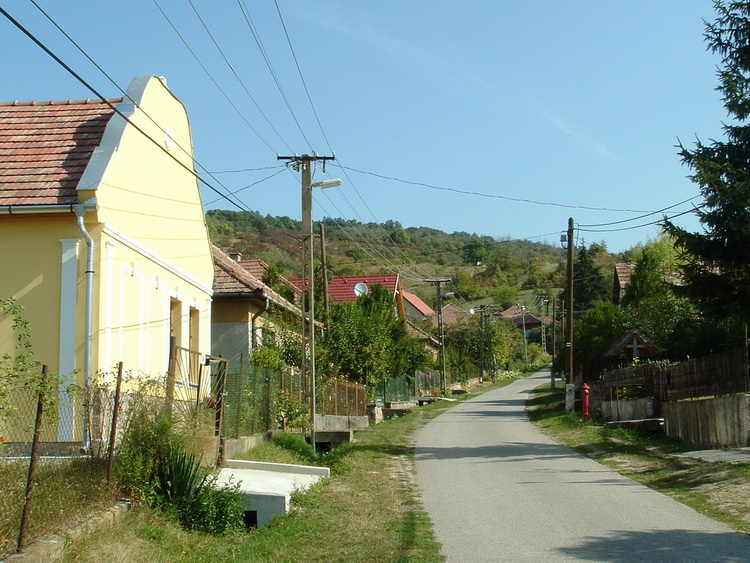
{"x": 416, "y": 309}
{"x": 104, "y": 239}
{"x": 243, "y": 306}
{"x": 343, "y": 289}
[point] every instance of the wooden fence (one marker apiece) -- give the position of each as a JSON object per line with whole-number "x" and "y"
{"x": 725, "y": 373}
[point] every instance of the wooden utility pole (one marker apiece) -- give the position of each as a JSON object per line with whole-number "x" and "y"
{"x": 438, "y": 285}
{"x": 304, "y": 164}
{"x": 569, "y": 386}
{"x": 569, "y": 309}
{"x": 324, "y": 268}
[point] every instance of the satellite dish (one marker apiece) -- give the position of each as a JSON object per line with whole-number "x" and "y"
{"x": 360, "y": 289}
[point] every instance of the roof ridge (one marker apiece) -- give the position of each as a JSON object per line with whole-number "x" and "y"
{"x": 69, "y": 102}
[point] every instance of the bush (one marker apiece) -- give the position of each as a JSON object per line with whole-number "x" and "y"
{"x": 187, "y": 492}
{"x": 147, "y": 437}
{"x": 296, "y": 443}
{"x": 213, "y": 509}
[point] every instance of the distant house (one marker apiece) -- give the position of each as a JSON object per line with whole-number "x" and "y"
{"x": 621, "y": 281}
{"x": 522, "y": 318}
{"x": 431, "y": 343}
{"x": 343, "y": 289}
{"x": 258, "y": 268}
{"x": 241, "y": 307}
{"x": 415, "y": 308}
{"x": 104, "y": 238}
{"x": 453, "y": 315}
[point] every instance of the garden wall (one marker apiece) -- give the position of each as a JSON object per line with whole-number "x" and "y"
{"x": 633, "y": 409}
{"x": 721, "y": 422}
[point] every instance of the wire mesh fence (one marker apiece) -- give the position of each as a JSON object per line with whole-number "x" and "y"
{"x": 58, "y": 440}
{"x": 259, "y": 399}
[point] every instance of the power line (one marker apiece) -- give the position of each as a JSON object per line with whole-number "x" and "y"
{"x": 126, "y": 95}
{"x": 494, "y": 196}
{"x": 113, "y": 107}
{"x": 302, "y": 78}
{"x": 235, "y": 192}
{"x": 266, "y": 58}
{"x": 234, "y": 72}
{"x": 641, "y": 216}
{"x": 211, "y": 77}
{"x": 642, "y": 225}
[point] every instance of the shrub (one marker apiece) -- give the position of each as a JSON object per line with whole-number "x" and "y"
{"x": 147, "y": 437}
{"x": 187, "y": 492}
{"x": 213, "y": 509}
{"x": 296, "y": 443}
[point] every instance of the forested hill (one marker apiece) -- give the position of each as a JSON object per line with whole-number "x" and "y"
{"x": 479, "y": 265}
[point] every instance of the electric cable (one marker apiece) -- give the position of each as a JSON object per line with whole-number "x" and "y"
{"x": 496, "y": 196}
{"x": 234, "y": 72}
{"x": 211, "y": 77}
{"x": 112, "y": 106}
{"x": 251, "y": 25}
{"x": 123, "y": 92}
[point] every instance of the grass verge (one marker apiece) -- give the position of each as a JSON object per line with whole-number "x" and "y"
{"x": 65, "y": 491}
{"x": 369, "y": 510}
{"x": 717, "y": 489}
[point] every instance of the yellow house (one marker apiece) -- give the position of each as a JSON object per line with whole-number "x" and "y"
{"x": 104, "y": 238}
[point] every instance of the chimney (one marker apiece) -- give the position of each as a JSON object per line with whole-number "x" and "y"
{"x": 236, "y": 256}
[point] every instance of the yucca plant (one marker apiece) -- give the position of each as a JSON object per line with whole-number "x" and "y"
{"x": 179, "y": 475}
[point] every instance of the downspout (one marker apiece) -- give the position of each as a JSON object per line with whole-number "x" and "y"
{"x": 252, "y": 322}
{"x": 80, "y": 211}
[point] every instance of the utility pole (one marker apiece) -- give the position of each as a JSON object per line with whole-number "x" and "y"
{"x": 324, "y": 267}
{"x": 439, "y": 284}
{"x": 304, "y": 164}
{"x": 554, "y": 337}
{"x": 569, "y": 387}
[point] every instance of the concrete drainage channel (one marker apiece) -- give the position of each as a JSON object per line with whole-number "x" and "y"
{"x": 267, "y": 488}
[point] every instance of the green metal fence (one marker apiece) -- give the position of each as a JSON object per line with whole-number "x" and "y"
{"x": 396, "y": 389}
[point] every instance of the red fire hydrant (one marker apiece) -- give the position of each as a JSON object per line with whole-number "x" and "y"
{"x": 585, "y": 390}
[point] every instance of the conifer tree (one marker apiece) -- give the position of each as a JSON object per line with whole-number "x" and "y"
{"x": 716, "y": 270}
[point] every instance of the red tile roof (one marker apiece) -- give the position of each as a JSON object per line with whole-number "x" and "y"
{"x": 418, "y": 304}
{"x": 452, "y": 315}
{"x": 256, "y": 267}
{"x": 341, "y": 289}
{"x": 230, "y": 278}
{"x": 45, "y": 147}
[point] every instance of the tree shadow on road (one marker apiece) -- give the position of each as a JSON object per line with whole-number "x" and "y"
{"x": 661, "y": 545}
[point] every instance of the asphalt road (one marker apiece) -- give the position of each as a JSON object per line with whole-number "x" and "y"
{"x": 498, "y": 490}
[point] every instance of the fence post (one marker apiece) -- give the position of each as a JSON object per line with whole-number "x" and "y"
{"x": 113, "y": 430}
{"x": 32, "y": 462}
{"x": 171, "y": 373}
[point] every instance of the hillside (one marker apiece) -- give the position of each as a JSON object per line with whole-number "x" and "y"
{"x": 481, "y": 267}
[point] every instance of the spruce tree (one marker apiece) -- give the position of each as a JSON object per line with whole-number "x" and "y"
{"x": 716, "y": 270}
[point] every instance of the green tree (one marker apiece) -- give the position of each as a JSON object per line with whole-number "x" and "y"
{"x": 716, "y": 272}
{"x": 367, "y": 342}
{"x": 476, "y": 252}
{"x": 647, "y": 281}
{"x": 589, "y": 284}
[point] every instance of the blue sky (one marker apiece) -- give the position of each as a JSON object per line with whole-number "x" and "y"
{"x": 541, "y": 110}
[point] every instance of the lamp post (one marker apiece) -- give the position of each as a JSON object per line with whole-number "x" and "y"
{"x": 304, "y": 163}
